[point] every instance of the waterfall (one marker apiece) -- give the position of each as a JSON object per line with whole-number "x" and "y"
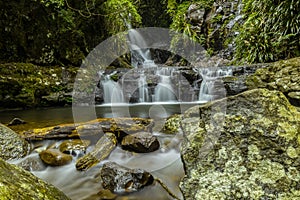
{"x": 212, "y": 86}
{"x": 164, "y": 90}
{"x": 112, "y": 92}
{"x": 143, "y": 89}
{"x": 140, "y": 54}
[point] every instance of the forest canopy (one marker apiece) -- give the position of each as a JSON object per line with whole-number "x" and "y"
{"x": 64, "y": 31}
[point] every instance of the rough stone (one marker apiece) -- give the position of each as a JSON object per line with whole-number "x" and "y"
{"x": 11, "y": 144}
{"x": 95, "y": 128}
{"x": 282, "y": 75}
{"x": 242, "y": 147}
{"x": 141, "y": 142}
{"x": 121, "y": 179}
{"x": 54, "y": 157}
{"x": 172, "y": 124}
{"x": 102, "y": 150}
{"x": 16, "y": 183}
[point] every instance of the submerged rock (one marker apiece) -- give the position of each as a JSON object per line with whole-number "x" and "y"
{"x": 16, "y": 183}
{"x": 141, "y": 142}
{"x": 283, "y": 76}
{"x": 121, "y": 179}
{"x": 54, "y": 157}
{"x": 16, "y": 121}
{"x": 102, "y": 149}
{"x": 11, "y": 144}
{"x": 242, "y": 147}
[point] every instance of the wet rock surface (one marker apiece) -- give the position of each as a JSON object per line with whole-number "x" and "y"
{"x": 11, "y": 144}
{"x": 141, "y": 142}
{"x": 54, "y": 157}
{"x": 92, "y": 129}
{"x": 242, "y": 147}
{"x": 121, "y": 179}
{"x": 102, "y": 149}
{"x": 73, "y": 146}
{"x": 17, "y": 183}
{"x": 283, "y": 76}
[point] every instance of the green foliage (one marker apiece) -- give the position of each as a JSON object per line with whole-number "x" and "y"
{"x": 271, "y": 31}
{"x": 118, "y": 13}
{"x": 180, "y": 22}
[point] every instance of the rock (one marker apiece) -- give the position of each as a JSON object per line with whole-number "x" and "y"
{"x": 95, "y": 128}
{"x": 172, "y": 124}
{"x": 282, "y": 75}
{"x": 17, "y": 183}
{"x": 121, "y": 179}
{"x": 32, "y": 164}
{"x": 54, "y": 157}
{"x": 142, "y": 142}
{"x": 11, "y": 144}
{"x": 16, "y": 121}
{"x": 71, "y": 146}
{"x": 248, "y": 151}
{"x": 102, "y": 149}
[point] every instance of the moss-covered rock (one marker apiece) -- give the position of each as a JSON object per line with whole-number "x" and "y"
{"x": 242, "y": 147}
{"x": 282, "y": 75}
{"x": 11, "y": 144}
{"x": 28, "y": 85}
{"x": 172, "y": 124}
{"x": 16, "y": 183}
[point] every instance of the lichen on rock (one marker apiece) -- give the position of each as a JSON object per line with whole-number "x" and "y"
{"x": 242, "y": 147}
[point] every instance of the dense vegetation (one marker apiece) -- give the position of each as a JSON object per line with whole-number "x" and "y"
{"x": 63, "y": 32}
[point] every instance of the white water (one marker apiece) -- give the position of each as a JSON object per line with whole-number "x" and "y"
{"x": 211, "y": 80}
{"x": 164, "y": 90}
{"x": 140, "y": 54}
{"x": 112, "y": 92}
{"x": 143, "y": 89}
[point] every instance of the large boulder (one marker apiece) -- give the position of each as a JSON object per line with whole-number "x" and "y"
{"x": 242, "y": 147}
{"x": 11, "y": 144}
{"x": 282, "y": 75}
{"x": 16, "y": 183}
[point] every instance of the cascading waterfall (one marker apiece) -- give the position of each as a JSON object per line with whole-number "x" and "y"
{"x": 164, "y": 90}
{"x": 112, "y": 92}
{"x": 210, "y": 86}
{"x": 143, "y": 89}
{"x": 140, "y": 55}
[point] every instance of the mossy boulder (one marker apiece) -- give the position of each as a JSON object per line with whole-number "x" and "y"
{"x": 282, "y": 75}
{"x": 242, "y": 147}
{"x": 11, "y": 144}
{"x": 29, "y": 85}
{"x": 16, "y": 183}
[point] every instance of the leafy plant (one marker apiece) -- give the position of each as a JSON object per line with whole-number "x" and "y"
{"x": 271, "y": 31}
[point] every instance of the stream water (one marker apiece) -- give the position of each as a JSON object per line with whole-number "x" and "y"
{"x": 164, "y": 163}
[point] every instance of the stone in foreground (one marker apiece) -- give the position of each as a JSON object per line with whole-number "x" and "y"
{"x": 16, "y": 183}
{"x": 105, "y": 145}
{"x": 142, "y": 142}
{"x": 54, "y": 157}
{"x": 242, "y": 147}
{"x": 11, "y": 144}
{"x": 121, "y": 179}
